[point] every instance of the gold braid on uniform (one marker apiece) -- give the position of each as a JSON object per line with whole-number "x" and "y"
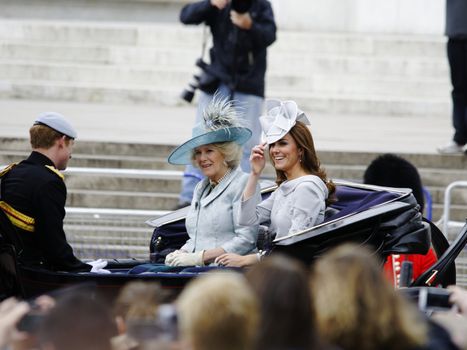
{"x": 7, "y": 169}
{"x": 56, "y": 171}
{"x": 17, "y": 218}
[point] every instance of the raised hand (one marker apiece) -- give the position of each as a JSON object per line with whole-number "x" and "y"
{"x": 257, "y": 159}
{"x": 220, "y": 4}
{"x": 241, "y": 20}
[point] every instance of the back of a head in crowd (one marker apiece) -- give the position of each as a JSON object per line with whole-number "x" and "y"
{"x": 218, "y": 311}
{"x": 78, "y": 321}
{"x": 139, "y": 300}
{"x": 287, "y": 319}
{"x": 354, "y": 301}
{"x": 394, "y": 171}
{"x": 48, "y": 127}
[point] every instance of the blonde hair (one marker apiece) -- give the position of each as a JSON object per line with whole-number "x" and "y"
{"x": 41, "y": 136}
{"x": 138, "y": 300}
{"x": 231, "y": 151}
{"x": 218, "y": 311}
{"x": 357, "y": 307}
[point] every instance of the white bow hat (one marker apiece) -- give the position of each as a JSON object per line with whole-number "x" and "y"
{"x": 219, "y": 124}
{"x": 280, "y": 117}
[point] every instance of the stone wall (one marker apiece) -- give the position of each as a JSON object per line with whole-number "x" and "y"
{"x": 370, "y": 16}
{"x": 362, "y": 16}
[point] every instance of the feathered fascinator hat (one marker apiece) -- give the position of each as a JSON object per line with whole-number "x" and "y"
{"x": 219, "y": 124}
{"x": 280, "y": 117}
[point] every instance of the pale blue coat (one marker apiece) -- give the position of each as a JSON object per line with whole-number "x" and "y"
{"x": 213, "y": 221}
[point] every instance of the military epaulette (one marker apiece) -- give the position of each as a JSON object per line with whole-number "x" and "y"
{"x": 5, "y": 170}
{"x": 56, "y": 171}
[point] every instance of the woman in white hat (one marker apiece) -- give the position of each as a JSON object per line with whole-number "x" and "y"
{"x": 300, "y": 201}
{"x": 212, "y": 222}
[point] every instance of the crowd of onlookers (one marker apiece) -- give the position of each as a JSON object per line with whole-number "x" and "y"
{"x": 343, "y": 302}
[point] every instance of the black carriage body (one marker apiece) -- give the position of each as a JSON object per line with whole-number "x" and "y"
{"x": 386, "y": 219}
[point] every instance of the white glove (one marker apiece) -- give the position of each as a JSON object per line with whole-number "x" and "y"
{"x": 98, "y": 266}
{"x": 170, "y": 257}
{"x": 187, "y": 259}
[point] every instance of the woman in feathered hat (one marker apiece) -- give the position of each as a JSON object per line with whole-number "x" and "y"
{"x": 300, "y": 201}
{"x": 212, "y": 222}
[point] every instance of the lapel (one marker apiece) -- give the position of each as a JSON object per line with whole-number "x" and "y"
{"x": 219, "y": 189}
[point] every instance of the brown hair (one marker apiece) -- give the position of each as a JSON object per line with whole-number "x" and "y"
{"x": 282, "y": 288}
{"x": 354, "y": 302}
{"x": 309, "y": 160}
{"x": 41, "y": 136}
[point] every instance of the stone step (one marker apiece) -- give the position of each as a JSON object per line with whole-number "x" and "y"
{"x": 109, "y": 220}
{"x": 316, "y": 81}
{"x": 430, "y": 176}
{"x": 109, "y": 183}
{"x": 457, "y": 213}
{"x": 173, "y": 185}
{"x": 182, "y": 59}
{"x": 167, "y": 201}
{"x": 459, "y": 196}
{"x": 107, "y": 239}
{"x": 121, "y": 199}
{"x": 97, "y": 229}
{"x": 103, "y": 149}
{"x": 364, "y": 104}
{"x": 101, "y": 161}
{"x": 165, "y": 35}
{"x": 420, "y": 160}
{"x": 152, "y": 152}
{"x": 109, "y": 251}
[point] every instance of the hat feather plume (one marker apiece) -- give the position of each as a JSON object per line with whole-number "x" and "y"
{"x": 220, "y": 113}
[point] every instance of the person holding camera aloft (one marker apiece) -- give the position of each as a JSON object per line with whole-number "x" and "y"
{"x": 241, "y": 30}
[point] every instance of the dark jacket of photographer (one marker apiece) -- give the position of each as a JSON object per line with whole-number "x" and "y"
{"x": 238, "y": 56}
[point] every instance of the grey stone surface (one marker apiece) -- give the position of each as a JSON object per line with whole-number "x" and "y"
{"x": 154, "y": 124}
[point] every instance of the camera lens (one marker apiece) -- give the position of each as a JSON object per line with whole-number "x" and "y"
{"x": 187, "y": 95}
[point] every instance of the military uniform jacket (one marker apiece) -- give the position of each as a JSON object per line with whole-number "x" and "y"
{"x": 36, "y": 189}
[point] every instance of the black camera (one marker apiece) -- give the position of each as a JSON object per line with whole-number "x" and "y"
{"x": 201, "y": 80}
{"x": 32, "y": 320}
{"x": 429, "y": 299}
{"x": 241, "y": 6}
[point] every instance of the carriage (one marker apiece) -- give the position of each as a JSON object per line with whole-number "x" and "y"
{"x": 383, "y": 218}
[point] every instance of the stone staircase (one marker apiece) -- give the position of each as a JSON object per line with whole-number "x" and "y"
{"x": 152, "y": 63}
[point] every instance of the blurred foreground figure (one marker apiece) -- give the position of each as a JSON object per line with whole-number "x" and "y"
{"x": 357, "y": 308}
{"x": 77, "y": 322}
{"x": 218, "y": 311}
{"x": 287, "y": 319}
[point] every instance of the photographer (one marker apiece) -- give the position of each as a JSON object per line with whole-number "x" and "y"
{"x": 241, "y": 30}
